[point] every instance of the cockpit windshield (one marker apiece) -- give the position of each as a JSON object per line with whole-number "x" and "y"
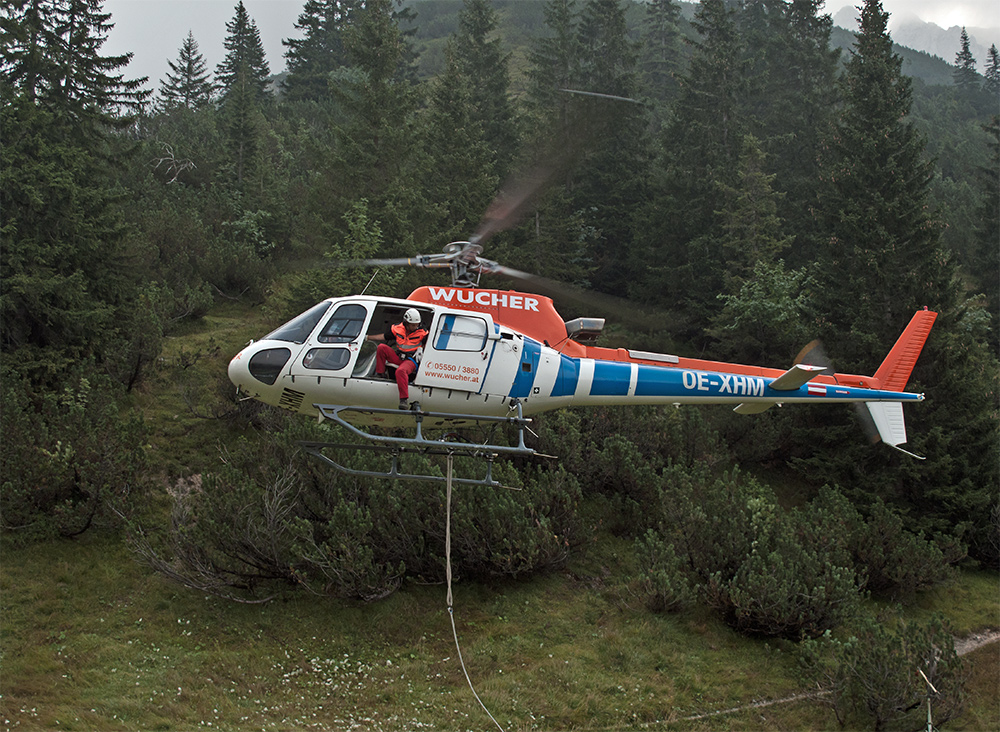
{"x": 297, "y": 329}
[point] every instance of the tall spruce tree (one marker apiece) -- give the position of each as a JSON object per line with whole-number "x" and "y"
{"x": 190, "y": 85}
{"x": 991, "y": 76}
{"x": 376, "y": 135}
{"x": 610, "y": 181}
{"x": 662, "y": 53}
{"x": 555, "y": 59}
{"x": 701, "y": 148}
{"x": 762, "y": 318}
{"x": 459, "y": 177}
{"x": 792, "y": 100}
{"x": 320, "y": 51}
{"x": 51, "y": 55}
{"x": 883, "y": 257}
{"x": 988, "y": 230}
{"x": 557, "y": 241}
{"x": 67, "y": 282}
{"x": 964, "y": 75}
{"x": 884, "y": 260}
{"x": 243, "y": 77}
{"x": 29, "y": 68}
{"x": 245, "y": 63}
{"x": 481, "y": 59}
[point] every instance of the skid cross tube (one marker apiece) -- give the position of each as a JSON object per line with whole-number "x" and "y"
{"x": 418, "y": 443}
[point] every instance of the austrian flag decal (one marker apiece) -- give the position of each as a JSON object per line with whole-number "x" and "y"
{"x": 816, "y": 389}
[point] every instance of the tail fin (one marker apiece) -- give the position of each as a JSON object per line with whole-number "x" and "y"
{"x": 888, "y": 417}
{"x": 895, "y": 370}
{"x": 892, "y": 376}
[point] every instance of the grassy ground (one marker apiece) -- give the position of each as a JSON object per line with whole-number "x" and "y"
{"x": 91, "y": 640}
{"x": 180, "y": 394}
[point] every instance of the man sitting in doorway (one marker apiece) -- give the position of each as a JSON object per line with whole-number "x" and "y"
{"x": 402, "y": 344}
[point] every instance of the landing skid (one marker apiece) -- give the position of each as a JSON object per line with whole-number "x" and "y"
{"x": 450, "y": 444}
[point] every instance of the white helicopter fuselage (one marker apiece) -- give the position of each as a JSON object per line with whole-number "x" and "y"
{"x": 474, "y": 364}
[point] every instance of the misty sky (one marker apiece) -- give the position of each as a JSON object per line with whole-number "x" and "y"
{"x": 153, "y": 30}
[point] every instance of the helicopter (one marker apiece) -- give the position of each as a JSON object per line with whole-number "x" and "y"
{"x": 490, "y": 351}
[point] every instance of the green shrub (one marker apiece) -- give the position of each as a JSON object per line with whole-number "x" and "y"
{"x": 662, "y": 579}
{"x": 874, "y": 676}
{"x": 272, "y": 516}
{"x": 892, "y": 561}
{"x": 65, "y": 456}
{"x": 755, "y": 563}
{"x": 784, "y": 587}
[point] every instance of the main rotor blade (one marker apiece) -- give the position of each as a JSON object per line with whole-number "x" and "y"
{"x": 588, "y": 302}
{"x": 422, "y": 260}
{"x": 396, "y": 262}
{"x": 511, "y": 203}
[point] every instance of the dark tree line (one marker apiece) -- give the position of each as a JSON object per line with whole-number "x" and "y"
{"x": 726, "y": 167}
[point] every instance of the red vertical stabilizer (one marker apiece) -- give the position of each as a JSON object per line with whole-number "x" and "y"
{"x": 895, "y": 370}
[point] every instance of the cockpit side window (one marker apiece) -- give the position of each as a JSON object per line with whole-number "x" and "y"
{"x": 297, "y": 329}
{"x": 345, "y": 325}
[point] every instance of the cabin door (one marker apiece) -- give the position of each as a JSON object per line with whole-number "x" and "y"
{"x": 457, "y": 354}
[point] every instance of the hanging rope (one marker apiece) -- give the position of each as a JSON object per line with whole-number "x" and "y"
{"x": 447, "y": 571}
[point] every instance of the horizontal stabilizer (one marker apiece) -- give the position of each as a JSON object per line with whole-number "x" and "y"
{"x": 796, "y": 376}
{"x": 753, "y": 407}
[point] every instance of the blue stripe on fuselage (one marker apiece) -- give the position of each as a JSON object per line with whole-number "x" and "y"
{"x": 657, "y": 381}
{"x": 611, "y": 378}
{"x": 524, "y": 380}
{"x": 567, "y": 378}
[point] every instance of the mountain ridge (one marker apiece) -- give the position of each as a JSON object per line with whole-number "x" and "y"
{"x": 911, "y": 32}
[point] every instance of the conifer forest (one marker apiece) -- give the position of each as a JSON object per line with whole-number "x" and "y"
{"x": 740, "y": 176}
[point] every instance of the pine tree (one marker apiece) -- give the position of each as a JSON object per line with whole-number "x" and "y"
{"x": 792, "y": 99}
{"x": 459, "y": 180}
{"x": 610, "y": 178}
{"x": 555, "y": 60}
{"x": 190, "y": 84}
{"x": 662, "y": 56}
{"x": 67, "y": 284}
{"x": 320, "y": 50}
{"x": 750, "y": 226}
{"x": 245, "y": 61}
{"x": 241, "y": 117}
{"x": 26, "y": 57}
{"x": 964, "y": 75}
{"x": 375, "y": 138}
{"x": 883, "y": 258}
{"x": 484, "y": 64}
{"x": 701, "y": 148}
{"x": 762, "y": 318}
{"x": 988, "y": 230}
{"x": 608, "y": 56}
{"x": 52, "y": 55}
{"x": 243, "y": 78}
{"x": 991, "y": 83}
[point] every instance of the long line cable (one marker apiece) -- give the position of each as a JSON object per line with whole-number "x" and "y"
{"x": 451, "y": 611}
